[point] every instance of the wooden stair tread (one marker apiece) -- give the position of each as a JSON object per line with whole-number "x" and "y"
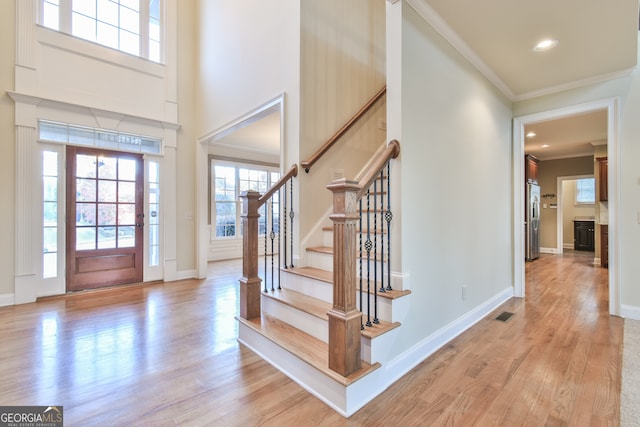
{"x": 319, "y": 309}
{"x": 313, "y": 273}
{"x": 364, "y": 231}
{"x": 328, "y": 250}
{"x": 327, "y": 277}
{"x": 309, "y": 349}
{"x": 307, "y": 304}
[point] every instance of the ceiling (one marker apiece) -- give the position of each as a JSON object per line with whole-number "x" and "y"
{"x": 596, "y": 42}
{"x": 261, "y": 135}
{"x": 567, "y": 137}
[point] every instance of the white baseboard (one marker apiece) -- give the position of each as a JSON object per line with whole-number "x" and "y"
{"x": 185, "y": 274}
{"x": 596, "y": 261}
{"x": 6, "y": 299}
{"x": 548, "y": 250}
{"x": 568, "y": 245}
{"x": 630, "y": 312}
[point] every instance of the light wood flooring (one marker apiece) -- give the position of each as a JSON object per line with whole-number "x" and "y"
{"x": 166, "y": 354}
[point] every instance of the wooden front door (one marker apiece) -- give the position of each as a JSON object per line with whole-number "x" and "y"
{"x": 104, "y": 218}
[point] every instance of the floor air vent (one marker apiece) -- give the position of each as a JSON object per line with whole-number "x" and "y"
{"x": 504, "y": 316}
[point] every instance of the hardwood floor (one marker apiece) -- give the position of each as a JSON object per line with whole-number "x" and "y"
{"x": 166, "y": 354}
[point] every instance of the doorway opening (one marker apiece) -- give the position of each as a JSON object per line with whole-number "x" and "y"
{"x": 610, "y": 107}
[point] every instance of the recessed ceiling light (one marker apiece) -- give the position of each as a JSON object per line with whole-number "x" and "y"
{"x": 545, "y": 145}
{"x": 545, "y": 45}
{"x": 531, "y": 134}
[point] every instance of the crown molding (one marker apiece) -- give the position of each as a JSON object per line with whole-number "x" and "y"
{"x": 441, "y": 26}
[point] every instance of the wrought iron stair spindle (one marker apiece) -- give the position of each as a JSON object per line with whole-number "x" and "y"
{"x": 368, "y": 249}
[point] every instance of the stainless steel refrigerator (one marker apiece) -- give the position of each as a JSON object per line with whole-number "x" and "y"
{"x": 532, "y": 222}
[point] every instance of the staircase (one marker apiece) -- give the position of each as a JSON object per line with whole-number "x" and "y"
{"x": 330, "y": 325}
{"x": 292, "y": 332}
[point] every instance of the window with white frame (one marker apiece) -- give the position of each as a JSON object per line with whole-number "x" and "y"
{"x": 229, "y": 181}
{"x": 131, "y": 26}
{"x": 586, "y": 191}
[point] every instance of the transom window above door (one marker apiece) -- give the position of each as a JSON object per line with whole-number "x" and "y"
{"x": 131, "y": 26}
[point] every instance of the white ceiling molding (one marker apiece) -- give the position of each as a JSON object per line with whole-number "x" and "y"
{"x": 574, "y": 85}
{"x": 441, "y": 26}
{"x": 393, "y": 1}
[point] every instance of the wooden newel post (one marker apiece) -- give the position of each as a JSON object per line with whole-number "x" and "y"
{"x": 344, "y": 317}
{"x": 250, "y": 282}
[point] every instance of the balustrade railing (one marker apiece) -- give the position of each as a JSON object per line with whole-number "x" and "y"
{"x": 252, "y": 201}
{"x": 349, "y": 217}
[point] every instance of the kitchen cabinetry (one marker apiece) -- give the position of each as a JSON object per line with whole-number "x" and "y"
{"x": 604, "y": 246}
{"x": 583, "y": 235}
{"x": 530, "y": 169}
{"x": 603, "y": 184}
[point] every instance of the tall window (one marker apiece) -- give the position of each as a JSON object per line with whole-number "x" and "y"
{"x": 131, "y": 26}
{"x": 229, "y": 181}
{"x": 585, "y": 191}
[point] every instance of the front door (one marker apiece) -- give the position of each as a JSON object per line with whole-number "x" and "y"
{"x": 104, "y": 218}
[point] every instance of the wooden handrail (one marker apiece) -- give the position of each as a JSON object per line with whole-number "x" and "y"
{"x": 364, "y": 181}
{"x": 336, "y": 136}
{"x": 293, "y": 171}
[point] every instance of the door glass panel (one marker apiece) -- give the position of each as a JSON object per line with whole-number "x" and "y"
{"x": 106, "y": 191}
{"x": 107, "y": 214}
{"x": 106, "y": 237}
{"x": 85, "y": 166}
{"x": 85, "y": 238}
{"x": 107, "y": 168}
{"x": 126, "y": 214}
{"x": 126, "y": 236}
{"x": 126, "y": 192}
{"x": 85, "y": 214}
{"x": 85, "y": 190}
{"x": 127, "y": 170}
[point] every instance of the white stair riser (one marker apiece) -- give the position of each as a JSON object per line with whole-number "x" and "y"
{"x": 324, "y": 291}
{"x": 312, "y": 325}
{"x": 308, "y": 286}
{"x": 324, "y": 261}
{"x": 379, "y": 240}
{"x": 378, "y": 349}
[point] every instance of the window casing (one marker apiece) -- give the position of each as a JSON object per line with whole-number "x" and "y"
{"x": 130, "y": 26}
{"x": 228, "y": 182}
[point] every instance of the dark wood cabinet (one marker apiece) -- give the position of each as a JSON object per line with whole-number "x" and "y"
{"x": 583, "y": 235}
{"x": 603, "y": 183}
{"x": 604, "y": 246}
{"x": 530, "y": 169}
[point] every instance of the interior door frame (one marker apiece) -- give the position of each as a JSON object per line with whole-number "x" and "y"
{"x": 613, "y": 154}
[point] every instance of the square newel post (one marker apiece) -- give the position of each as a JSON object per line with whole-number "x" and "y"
{"x": 250, "y": 282}
{"x": 344, "y": 317}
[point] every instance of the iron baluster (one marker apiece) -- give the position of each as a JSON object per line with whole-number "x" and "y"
{"x": 284, "y": 203}
{"x": 291, "y": 215}
{"x": 360, "y": 262}
{"x": 375, "y": 252}
{"x": 272, "y": 236}
{"x": 388, "y": 218}
{"x": 381, "y": 231}
{"x": 367, "y": 246}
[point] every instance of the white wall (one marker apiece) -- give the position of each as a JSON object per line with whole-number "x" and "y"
{"x": 7, "y": 141}
{"x": 342, "y": 67}
{"x": 628, "y": 92}
{"x": 456, "y": 212}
